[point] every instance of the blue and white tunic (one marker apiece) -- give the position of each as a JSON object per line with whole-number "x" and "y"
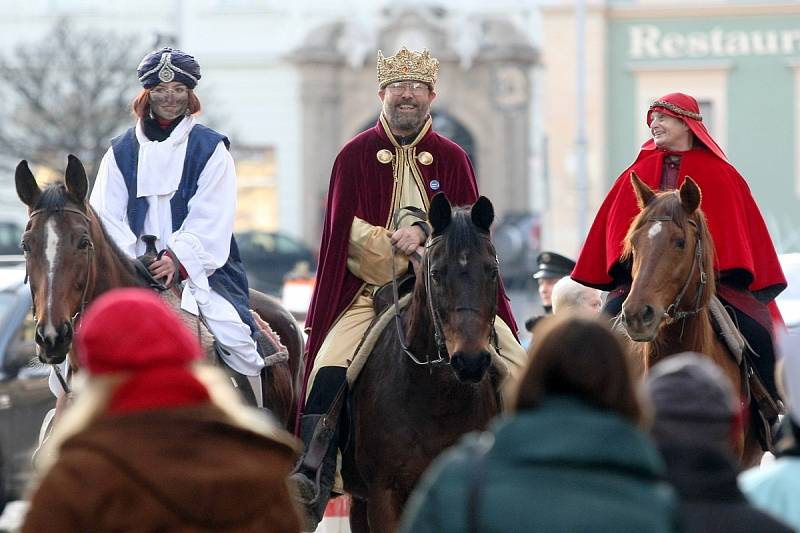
{"x": 183, "y": 191}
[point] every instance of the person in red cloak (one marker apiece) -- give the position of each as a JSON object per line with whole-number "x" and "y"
{"x": 750, "y": 276}
{"x": 381, "y": 185}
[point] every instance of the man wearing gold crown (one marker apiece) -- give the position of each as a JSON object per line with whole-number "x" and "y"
{"x": 381, "y": 185}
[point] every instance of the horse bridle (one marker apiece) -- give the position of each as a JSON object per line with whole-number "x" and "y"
{"x": 443, "y": 357}
{"x": 89, "y": 256}
{"x": 672, "y": 313}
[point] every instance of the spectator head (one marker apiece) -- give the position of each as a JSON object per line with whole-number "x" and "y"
{"x": 569, "y": 295}
{"x": 578, "y": 356}
{"x": 693, "y": 402}
{"x": 552, "y": 267}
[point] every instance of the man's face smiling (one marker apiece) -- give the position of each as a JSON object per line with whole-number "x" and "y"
{"x": 406, "y": 105}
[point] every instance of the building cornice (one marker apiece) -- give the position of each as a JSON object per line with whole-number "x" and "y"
{"x": 680, "y": 11}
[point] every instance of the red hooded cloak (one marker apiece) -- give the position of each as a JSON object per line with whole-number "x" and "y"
{"x": 740, "y": 235}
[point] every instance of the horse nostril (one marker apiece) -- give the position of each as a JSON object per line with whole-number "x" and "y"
{"x": 648, "y": 315}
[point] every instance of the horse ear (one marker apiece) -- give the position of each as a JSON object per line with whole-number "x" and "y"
{"x": 440, "y": 213}
{"x": 27, "y": 188}
{"x": 643, "y": 193}
{"x": 690, "y": 195}
{"x": 482, "y": 213}
{"x": 75, "y": 178}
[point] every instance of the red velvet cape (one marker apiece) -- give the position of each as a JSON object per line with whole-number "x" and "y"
{"x": 740, "y": 235}
{"x": 361, "y": 187}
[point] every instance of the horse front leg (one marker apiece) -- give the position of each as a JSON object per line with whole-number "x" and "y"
{"x": 359, "y": 522}
{"x": 383, "y": 509}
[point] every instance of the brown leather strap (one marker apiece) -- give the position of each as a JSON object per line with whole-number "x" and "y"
{"x": 324, "y": 432}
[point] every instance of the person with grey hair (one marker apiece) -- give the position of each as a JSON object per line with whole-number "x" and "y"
{"x": 568, "y": 294}
{"x": 775, "y": 488}
{"x": 696, "y": 416}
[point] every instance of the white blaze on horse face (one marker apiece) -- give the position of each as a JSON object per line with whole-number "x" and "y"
{"x": 655, "y": 229}
{"x": 50, "y": 254}
{"x": 462, "y": 260}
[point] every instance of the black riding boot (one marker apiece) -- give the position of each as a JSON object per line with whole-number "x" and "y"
{"x": 319, "y": 429}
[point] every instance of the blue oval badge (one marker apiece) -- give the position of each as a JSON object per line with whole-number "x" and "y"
{"x": 435, "y": 185}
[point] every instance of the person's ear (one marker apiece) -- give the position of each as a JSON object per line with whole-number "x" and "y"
{"x": 433, "y": 95}
{"x": 382, "y": 94}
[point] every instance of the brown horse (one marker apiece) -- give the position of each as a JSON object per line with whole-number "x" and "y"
{"x": 666, "y": 311}
{"x": 70, "y": 260}
{"x": 418, "y": 394}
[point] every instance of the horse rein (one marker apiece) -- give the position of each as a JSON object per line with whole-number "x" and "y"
{"x": 672, "y": 314}
{"x": 443, "y": 357}
{"x": 75, "y": 318}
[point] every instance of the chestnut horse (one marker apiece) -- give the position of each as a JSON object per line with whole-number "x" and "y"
{"x": 418, "y": 394}
{"x": 666, "y": 311}
{"x": 70, "y": 260}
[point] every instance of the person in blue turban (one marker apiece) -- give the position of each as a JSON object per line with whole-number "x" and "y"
{"x": 174, "y": 178}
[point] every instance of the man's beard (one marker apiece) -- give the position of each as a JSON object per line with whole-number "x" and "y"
{"x": 407, "y": 121}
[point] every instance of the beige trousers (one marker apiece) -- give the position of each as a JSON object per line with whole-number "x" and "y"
{"x": 340, "y": 344}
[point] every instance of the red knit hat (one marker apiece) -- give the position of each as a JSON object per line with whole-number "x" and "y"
{"x": 684, "y": 107}
{"x": 133, "y": 331}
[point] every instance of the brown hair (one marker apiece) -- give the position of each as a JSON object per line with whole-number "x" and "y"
{"x": 578, "y": 356}
{"x": 140, "y": 105}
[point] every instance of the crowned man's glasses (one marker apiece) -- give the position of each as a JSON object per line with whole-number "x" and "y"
{"x": 416, "y": 88}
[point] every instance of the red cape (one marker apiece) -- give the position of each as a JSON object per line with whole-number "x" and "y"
{"x": 740, "y": 235}
{"x": 361, "y": 187}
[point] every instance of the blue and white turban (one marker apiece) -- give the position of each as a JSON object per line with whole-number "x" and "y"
{"x": 167, "y": 64}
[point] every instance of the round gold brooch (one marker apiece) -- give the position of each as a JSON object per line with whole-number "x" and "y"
{"x": 384, "y": 156}
{"x": 425, "y": 158}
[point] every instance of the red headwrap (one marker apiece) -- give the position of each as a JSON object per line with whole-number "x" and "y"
{"x": 684, "y": 107}
{"x": 133, "y": 331}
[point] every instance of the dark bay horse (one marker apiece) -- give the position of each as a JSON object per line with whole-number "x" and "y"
{"x": 70, "y": 260}
{"x": 406, "y": 413}
{"x": 666, "y": 311}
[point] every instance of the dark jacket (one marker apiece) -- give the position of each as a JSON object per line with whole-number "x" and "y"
{"x": 563, "y": 467}
{"x": 177, "y": 470}
{"x": 711, "y": 501}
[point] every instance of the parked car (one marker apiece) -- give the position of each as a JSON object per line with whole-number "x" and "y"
{"x": 517, "y": 241}
{"x": 25, "y": 397}
{"x": 269, "y": 257}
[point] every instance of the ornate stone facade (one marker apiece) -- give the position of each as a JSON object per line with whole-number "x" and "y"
{"x": 483, "y": 96}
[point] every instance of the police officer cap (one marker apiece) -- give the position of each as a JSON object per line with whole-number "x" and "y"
{"x": 553, "y": 265}
{"x": 168, "y": 64}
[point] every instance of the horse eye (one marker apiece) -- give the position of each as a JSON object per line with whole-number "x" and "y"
{"x": 25, "y": 247}
{"x": 493, "y": 274}
{"x": 84, "y": 243}
{"x": 435, "y": 276}
{"x": 680, "y": 244}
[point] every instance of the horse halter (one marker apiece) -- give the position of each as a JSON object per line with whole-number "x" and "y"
{"x": 443, "y": 357}
{"x": 89, "y": 255}
{"x": 672, "y": 313}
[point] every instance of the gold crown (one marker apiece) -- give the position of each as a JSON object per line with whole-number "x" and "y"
{"x": 408, "y": 65}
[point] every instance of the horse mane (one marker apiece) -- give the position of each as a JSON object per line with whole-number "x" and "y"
{"x": 461, "y": 233}
{"x": 56, "y": 196}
